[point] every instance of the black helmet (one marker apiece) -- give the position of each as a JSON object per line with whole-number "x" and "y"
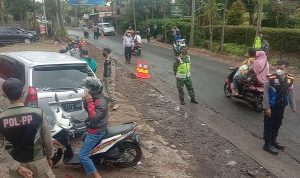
{"x": 93, "y": 84}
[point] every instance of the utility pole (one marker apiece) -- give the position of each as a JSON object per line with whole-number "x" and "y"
{"x": 76, "y": 18}
{"x": 192, "y": 33}
{"x": 223, "y": 27}
{"x": 133, "y": 7}
{"x": 259, "y": 15}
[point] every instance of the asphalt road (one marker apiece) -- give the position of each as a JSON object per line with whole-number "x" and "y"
{"x": 208, "y": 79}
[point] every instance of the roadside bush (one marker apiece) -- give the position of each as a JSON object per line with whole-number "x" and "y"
{"x": 234, "y": 49}
{"x": 279, "y": 39}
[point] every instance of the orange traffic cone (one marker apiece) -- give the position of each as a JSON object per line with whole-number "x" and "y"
{"x": 145, "y": 74}
{"x": 139, "y": 68}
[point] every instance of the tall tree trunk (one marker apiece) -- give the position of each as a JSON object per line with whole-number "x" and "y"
{"x": 251, "y": 19}
{"x": 210, "y": 21}
{"x": 259, "y": 15}
{"x": 33, "y": 18}
{"x": 60, "y": 17}
{"x": 134, "y": 19}
{"x": 1, "y": 12}
{"x": 223, "y": 27}
{"x": 192, "y": 24}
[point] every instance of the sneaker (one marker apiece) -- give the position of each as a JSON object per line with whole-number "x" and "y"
{"x": 271, "y": 149}
{"x": 115, "y": 107}
{"x": 278, "y": 146}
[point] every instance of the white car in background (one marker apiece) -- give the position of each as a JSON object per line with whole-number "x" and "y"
{"x": 107, "y": 29}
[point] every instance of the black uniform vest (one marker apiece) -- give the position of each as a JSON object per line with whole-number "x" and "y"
{"x": 22, "y": 131}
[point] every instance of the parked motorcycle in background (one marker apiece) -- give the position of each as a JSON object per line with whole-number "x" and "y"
{"x": 178, "y": 46}
{"x": 249, "y": 91}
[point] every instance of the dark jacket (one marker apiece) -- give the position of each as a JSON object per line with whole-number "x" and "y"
{"x": 98, "y": 114}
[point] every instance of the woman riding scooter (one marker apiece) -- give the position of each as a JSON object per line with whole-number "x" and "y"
{"x": 97, "y": 107}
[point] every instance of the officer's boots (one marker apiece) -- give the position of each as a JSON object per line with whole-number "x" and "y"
{"x": 269, "y": 147}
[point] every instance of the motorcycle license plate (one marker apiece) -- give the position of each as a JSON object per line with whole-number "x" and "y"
{"x": 72, "y": 106}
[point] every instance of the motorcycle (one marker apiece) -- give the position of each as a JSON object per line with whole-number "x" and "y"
{"x": 137, "y": 49}
{"x": 120, "y": 146}
{"x": 65, "y": 120}
{"x": 249, "y": 91}
{"x": 178, "y": 46}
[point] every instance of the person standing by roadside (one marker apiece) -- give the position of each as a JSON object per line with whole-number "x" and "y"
{"x": 182, "y": 71}
{"x": 155, "y": 31}
{"x": 96, "y": 31}
{"x": 31, "y": 156}
{"x": 128, "y": 44}
{"x": 278, "y": 93}
{"x": 90, "y": 61}
{"x": 148, "y": 31}
{"x": 109, "y": 77}
{"x": 258, "y": 41}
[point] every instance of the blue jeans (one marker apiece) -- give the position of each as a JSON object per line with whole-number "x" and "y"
{"x": 90, "y": 141}
{"x": 128, "y": 53}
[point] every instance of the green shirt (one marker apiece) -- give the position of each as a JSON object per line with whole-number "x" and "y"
{"x": 91, "y": 63}
{"x": 182, "y": 67}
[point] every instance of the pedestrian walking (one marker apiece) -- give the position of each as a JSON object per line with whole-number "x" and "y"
{"x": 128, "y": 44}
{"x": 109, "y": 77}
{"x": 155, "y": 31}
{"x": 278, "y": 93}
{"x": 96, "y": 31}
{"x": 90, "y": 61}
{"x": 148, "y": 31}
{"x": 182, "y": 71}
{"x": 28, "y": 131}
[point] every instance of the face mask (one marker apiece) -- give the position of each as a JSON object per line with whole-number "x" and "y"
{"x": 279, "y": 72}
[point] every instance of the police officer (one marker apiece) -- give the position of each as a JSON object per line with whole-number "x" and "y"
{"x": 182, "y": 71}
{"x": 277, "y": 94}
{"x": 27, "y": 130}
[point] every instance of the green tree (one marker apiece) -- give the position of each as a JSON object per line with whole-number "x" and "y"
{"x": 235, "y": 13}
{"x": 250, "y": 7}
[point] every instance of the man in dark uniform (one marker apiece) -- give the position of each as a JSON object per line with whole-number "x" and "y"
{"x": 27, "y": 130}
{"x": 277, "y": 95}
{"x": 182, "y": 71}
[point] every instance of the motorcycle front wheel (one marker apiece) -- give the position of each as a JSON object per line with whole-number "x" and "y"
{"x": 58, "y": 152}
{"x": 226, "y": 91}
{"x": 130, "y": 155}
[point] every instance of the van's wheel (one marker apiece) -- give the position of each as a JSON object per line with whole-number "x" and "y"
{"x": 27, "y": 41}
{"x": 57, "y": 155}
{"x": 130, "y": 154}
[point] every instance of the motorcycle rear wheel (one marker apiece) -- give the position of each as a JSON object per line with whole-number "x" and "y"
{"x": 226, "y": 91}
{"x": 58, "y": 152}
{"x": 125, "y": 160}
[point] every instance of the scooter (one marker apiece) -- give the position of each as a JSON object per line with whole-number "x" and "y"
{"x": 65, "y": 120}
{"x": 120, "y": 146}
{"x": 137, "y": 49}
{"x": 249, "y": 91}
{"x": 178, "y": 46}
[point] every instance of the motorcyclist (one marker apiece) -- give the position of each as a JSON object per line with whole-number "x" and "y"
{"x": 137, "y": 38}
{"x": 260, "y": 67}
{"x": 96, "y": 104}
{"x": 85, "y": 31}
{"x": 129, "y": 30}
{"x": 178, "y": 37}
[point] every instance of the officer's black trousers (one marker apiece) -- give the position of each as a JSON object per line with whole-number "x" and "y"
{"x": 272, "y": 124}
